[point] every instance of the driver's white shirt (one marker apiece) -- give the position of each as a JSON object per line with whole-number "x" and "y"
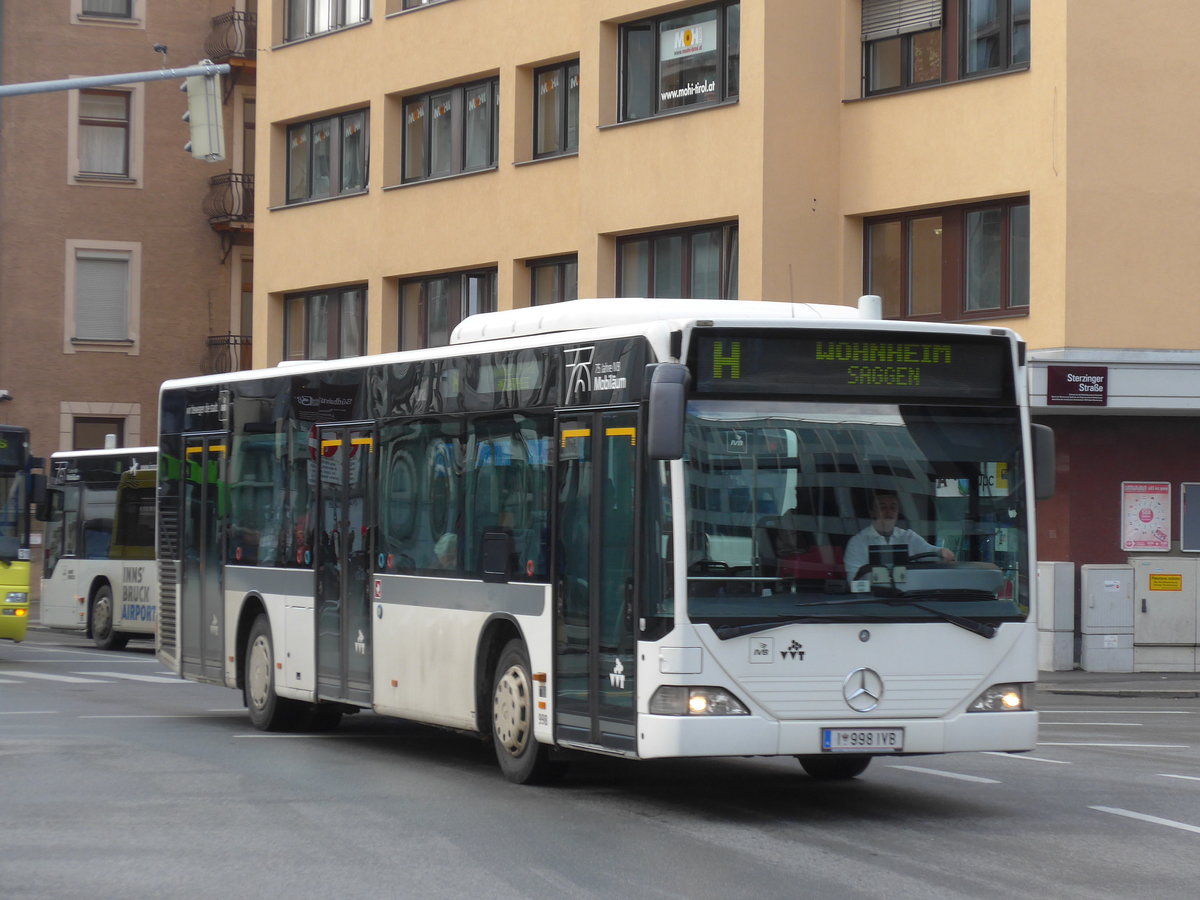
{"x": 857, "y": 554}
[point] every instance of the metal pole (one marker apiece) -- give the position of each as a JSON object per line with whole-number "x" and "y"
{"x": 73, "y": 84}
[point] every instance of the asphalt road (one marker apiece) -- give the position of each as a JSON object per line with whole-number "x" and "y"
{"x": 119, "y": 780}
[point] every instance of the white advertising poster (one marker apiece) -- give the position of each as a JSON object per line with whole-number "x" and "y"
{"x": 1145, "y": 516}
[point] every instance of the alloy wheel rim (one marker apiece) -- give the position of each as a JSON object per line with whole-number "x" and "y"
{"x": 510, "y": 710}
{"x": 102, "y": 616}
{"x": 260, "y": 672}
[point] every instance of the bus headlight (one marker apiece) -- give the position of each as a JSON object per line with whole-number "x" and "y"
{"x": 1001, "y": 698}
{"x": 16, "y": 597}
{"x": 680, "y": 700}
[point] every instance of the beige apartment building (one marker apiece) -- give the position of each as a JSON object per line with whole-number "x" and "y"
{"x": 123, "y": 260}
{"x": 1025, "y": 163}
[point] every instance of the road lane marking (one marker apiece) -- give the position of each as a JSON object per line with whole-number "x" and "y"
{"x": 1122, "y": 712}
{"x": 181, "y": 716}
{"x": 28, "y": 712}
{"x": 1111, "y": 744}
{"x": 291, "y": 737}
{"x": 156, "y": 679}
{"x": 1103, "y": 724}
{"x": 1142, "y": 817}
{"x": 1057, "y": 762}
{"x": 70, "y": 679}
{"x": 943, "y": 774}
{"x": 1184, "y": 777}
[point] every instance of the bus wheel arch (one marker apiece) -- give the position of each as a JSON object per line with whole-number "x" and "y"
{"x": 101, "y": 615}
{"x": 252, "y": 608}
{"x": 495, "y": 636}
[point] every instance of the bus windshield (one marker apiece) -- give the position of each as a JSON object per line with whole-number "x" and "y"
{"x": 804, "y": 511}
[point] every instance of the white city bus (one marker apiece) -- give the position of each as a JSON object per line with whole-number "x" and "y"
{"x": 98, "y": 571}
{"x": 617, "y": 526}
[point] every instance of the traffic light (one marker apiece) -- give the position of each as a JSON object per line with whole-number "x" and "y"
{"x": 204, "y": 117}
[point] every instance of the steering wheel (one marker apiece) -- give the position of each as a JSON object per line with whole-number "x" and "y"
{"x": 927, "y": 556}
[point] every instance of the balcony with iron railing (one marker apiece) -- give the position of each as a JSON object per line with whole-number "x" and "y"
{"x": 233, "y": 38}
{"x": 228, "y": 353}
{"x": 229, "y": 203}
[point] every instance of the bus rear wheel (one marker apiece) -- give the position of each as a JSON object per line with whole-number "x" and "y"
{"x": 103, "y": 635}
{"x": 268, "y": 711}
{"x": 834, "y": 767}
{"x": 522, "y": 759}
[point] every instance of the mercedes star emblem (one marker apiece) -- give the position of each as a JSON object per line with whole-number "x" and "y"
{"x": 863, "y": 690}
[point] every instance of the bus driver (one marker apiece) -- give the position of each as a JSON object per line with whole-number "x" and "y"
{"x": 885, "y": 510}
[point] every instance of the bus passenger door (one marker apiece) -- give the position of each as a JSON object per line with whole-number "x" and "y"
{"x": 595, "y": 644}
{"x": 202, "y": 627}
{"x": 343, "y": 563}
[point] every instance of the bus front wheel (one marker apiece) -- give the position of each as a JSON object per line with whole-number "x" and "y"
{"x": 834, "y": 767}
{"x": 522, "y": 759}
{"x": 268, "y": 711}
{"x": 103, "y": 635}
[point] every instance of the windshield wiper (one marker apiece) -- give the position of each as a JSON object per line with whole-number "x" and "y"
{"x": 983, "y": 629}
{"x": 725, "y": 632}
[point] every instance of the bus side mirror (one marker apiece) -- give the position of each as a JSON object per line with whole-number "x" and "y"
{"x": 48, "y": 504}
{"x": 1044, "y": 465}
{"x": 668, "y": 403}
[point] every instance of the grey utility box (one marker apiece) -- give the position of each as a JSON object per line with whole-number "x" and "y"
{"x": 1056, "y": 616}
{"x": 1106, "y": 618}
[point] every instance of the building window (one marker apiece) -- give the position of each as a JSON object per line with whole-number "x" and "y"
{"x": 902, "y": 44}
{"x": 103, "y": 285}
{"x": 451, "y": 131}
{"x": 306, "y": 18}
{"x": 325, "y": 324}
{"x": 912, "y": 43}
{"x": 104, "y": 133}
{"x": 700, "y": 263}
{"x": 101, "y": 295}
{"x": 417, "y": 4}
{"x": 952, "y": 263}
{"x": 553, "y": 280}
{"x": 327, "y": 157}
{"x": 92, "y": 432}
{"x": 113, "y": 9}
{"x": 995, "y": 35}
{"x": 556, "y": 110}
{"x": 431, "y": 307}
{"x": 682, "y": 61}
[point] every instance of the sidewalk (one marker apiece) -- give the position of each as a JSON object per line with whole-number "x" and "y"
{"x": 1121, "y": 684}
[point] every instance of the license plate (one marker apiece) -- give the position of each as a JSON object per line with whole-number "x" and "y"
{"x": 858, "y": 740}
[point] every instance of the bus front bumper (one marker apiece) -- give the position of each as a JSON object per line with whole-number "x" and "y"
{"x": 684, "y": 736}
{"x": 14, "y": 621}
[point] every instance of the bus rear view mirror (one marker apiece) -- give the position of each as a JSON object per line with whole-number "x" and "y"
{"x": 668, "y": 403}
{"x": 1043, "y": 461}
{"x": 46, "y": 501}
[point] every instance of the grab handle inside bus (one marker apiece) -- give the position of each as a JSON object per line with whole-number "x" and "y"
{"x": 1043, "y": 461}
{"x": 668, "y": 403}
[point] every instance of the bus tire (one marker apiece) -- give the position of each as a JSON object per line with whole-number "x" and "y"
{"x": 101, "y": 615}
{"x": 523, "y": 760}
{"x": 831, "y": 768}
{"x": 268, "y": 711}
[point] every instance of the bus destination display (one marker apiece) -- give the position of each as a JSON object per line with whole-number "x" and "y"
{"x": 851, "y": 364}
